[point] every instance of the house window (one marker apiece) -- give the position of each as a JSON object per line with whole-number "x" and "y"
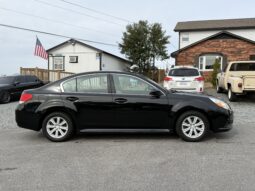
{"x": 185, "y": 38}
{"x": 98, "y": 56}
{"x": 252, "y": 57}
{"x": 207, "y": 61}
{"x": 58, "y": 63}
{"x": 73, "y": 59}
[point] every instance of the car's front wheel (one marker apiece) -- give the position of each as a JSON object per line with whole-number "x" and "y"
{"x": 58, "y": 127}
{"x": 192, "y": 126}
{"x": 6, "y": 97}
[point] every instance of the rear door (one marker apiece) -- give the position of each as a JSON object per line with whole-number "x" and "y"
{"x": 92, "y": 98}
{"x": 20, "y": 85}
{"x": 135, "y": 108}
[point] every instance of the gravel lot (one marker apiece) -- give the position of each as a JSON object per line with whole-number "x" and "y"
{"x": 129, "y": 161}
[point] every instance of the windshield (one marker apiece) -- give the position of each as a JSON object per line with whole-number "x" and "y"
{"x": 6, "y": 80}
{"x": 183, "y": 72}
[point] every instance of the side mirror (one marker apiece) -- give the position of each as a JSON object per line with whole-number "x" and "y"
{"x": 156, "y": 93}
{"x": 16, "y": 83}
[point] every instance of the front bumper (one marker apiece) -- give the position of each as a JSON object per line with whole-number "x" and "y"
{"x": 223, "y": 122}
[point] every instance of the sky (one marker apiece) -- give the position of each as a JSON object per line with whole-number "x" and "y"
{"x": 17, "y": 47}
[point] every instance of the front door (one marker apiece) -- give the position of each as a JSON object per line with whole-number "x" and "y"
{"x": 91, "y": 97}
{"x": 134, "y": 106}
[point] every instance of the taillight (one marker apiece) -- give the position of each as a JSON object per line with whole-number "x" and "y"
{"x": 25, "y": 97}
{"x": 167, "y": 79}
{"x": 200, "y": 79}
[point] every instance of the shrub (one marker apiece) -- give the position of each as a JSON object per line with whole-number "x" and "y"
{"x": 216, "y": 70}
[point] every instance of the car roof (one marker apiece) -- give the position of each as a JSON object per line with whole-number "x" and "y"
{"x": 248, "y": 61}
{"x": 16, "y": 75}
{"x": 106, "y": 72}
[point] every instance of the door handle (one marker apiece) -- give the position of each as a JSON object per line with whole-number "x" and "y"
{"x": 120, "y": 100}
{"x": 72, "y": 99}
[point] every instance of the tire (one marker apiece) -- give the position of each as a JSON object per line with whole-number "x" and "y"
{"x": 6, "y": 98}
{"x": 58, "y": 127}
{"x": 192, "y": 126}
{"x": 231, "y": 96}
{"x": 218, "y": 88}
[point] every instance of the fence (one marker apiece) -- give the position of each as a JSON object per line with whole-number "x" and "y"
{"x": 44, "y": 74}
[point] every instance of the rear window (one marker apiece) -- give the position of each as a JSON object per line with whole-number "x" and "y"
{"x": 243, "y": 67}
{"x": 183, "y": 72}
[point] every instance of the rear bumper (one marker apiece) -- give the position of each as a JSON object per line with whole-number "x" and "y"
{"x": 197, "y": 90}
{"x": 199, "y": 87}
{"x": 27, "y": 119}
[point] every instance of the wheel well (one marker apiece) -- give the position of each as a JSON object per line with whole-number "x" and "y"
{"x": 185, "y": 109}
{"x": 59, "y": 109}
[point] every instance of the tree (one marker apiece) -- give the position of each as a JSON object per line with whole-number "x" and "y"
{"x": 143, "y": 44}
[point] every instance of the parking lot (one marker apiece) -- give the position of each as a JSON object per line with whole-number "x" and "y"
{"x": 132, "y": 161}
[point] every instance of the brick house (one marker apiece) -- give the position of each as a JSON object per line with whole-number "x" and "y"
{"x": 202, "y": 42}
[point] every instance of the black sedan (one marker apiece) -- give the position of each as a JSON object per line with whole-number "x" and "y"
{"x": 11, "y": 87}
{"x": 119, "y": 101}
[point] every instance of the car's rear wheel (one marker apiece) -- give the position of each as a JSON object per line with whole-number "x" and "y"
{"x": 58, "y": 127}
{"x": 218, "y": 88}
{"x": 231, "y": 96}
{"x": 6, "y": 98}
{"x": 192, "y": 126}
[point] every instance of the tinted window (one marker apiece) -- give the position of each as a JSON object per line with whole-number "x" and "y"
{"x": 7, "y": 80}
{"x": 183, "y": 72}
{"x": 21, "y": 79}
{"x": 31, "y": 79}
{"x": 243, "y": 67}
{"x": 92, "y": 84}
{"x": 125, "y": 84}
{"x": 69, "y": 86}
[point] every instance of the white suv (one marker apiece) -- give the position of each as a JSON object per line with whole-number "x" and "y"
{"x": 184, "y": 78}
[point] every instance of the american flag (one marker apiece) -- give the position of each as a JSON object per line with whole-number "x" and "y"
{"x": 39, "y": 50}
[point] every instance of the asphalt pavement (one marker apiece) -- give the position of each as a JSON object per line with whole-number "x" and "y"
{"x": 133, "y": 161}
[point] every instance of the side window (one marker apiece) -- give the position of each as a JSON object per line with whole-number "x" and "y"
{"x": 31, "y": 79}
{"x": 125, "y": 84}
{"x": 21, "y": 79}
{"x": 233, "y": 67}
{"x": 93, "y": 84}
{"x": 69, "y": 86}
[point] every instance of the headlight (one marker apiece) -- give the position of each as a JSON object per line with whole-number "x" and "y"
{"x": 220, "y": 103}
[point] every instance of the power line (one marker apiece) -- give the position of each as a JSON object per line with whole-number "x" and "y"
{"x": 55, "y": 21}
{"x": 77, "y": 12}
{"x": 58, "y": 35}
{"x": 96, "y": 11}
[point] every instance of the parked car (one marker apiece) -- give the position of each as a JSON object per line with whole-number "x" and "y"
{"x": 237, "y": 78}
{"x": 118, "y": 100}
{"x": 184, "y": 78}
{"x": 11, "y": 87}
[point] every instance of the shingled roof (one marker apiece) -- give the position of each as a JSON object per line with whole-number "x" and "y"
{"x": 215, "y": 24}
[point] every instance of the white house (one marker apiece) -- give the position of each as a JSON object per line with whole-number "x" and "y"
{"x": 75, "y": 57}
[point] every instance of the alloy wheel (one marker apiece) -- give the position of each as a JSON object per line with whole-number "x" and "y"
{"x": 57, "y": 127}
{"x": 193, "y": 127}
{"x": 6, "y": 97}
